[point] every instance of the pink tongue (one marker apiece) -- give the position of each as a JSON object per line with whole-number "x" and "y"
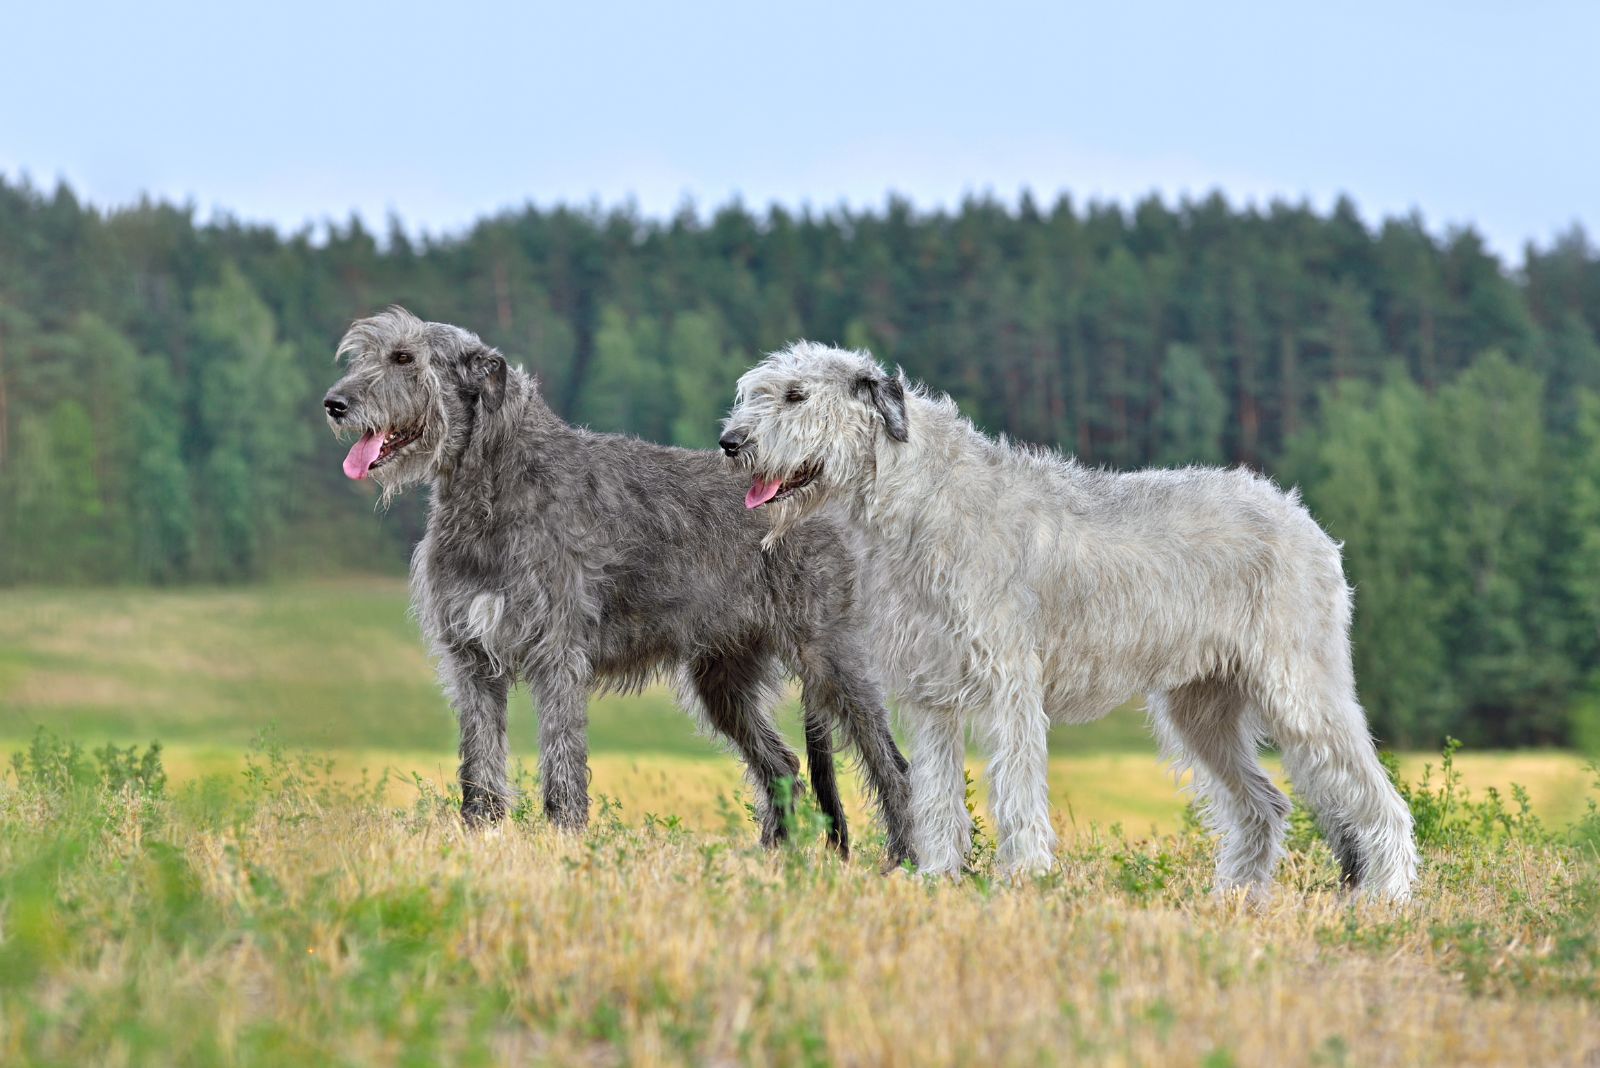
{"x": 362, "y": 453}
{"x": 761, "y": 492}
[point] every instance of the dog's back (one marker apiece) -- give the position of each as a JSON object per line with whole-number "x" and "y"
{"x": 654, "y": 546}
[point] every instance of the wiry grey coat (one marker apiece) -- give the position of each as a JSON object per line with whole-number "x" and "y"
{"x": 571, "y": 560}
{"x": 1013, "y": 588}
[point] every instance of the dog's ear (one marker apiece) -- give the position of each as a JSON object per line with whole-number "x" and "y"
{"x": 487, "y": 368}
{"x": 479, "y": 371}
{"x": 888, "y": 395}
{"x": 484, "y": 374}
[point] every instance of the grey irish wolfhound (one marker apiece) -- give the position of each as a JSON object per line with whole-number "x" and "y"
{"x": 570, "y": 560}
{"x": 1013, "y": 588}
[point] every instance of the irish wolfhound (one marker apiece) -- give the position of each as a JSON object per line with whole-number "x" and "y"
{"x": 1012, "y": 587}
{"x": 569, "y": 559}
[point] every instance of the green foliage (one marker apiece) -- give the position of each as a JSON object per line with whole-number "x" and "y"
{"x": 128, "y": 769}
{"x": 1469, "y": 559}
{"x": 702, "y": 370}
{"x": 1364, "y": 475}
{"x": 1142, "y": 874}
{"x": 983, "y": 846}
{"x": 57, "y": 516}
{"x": 1486, "y": 446}
{"x": 1577, "y": 521}
{"x": 1444, "y": 814}
{"x": 1586, "y": 720}
{"x": 163, "y": 508}
{"x": 159, "y": 382}
{"x": 620, "y": 374}
{"x": 52, "y": 765}
{"x": 249, "y": 431}
{"x": 1193, "y": 410}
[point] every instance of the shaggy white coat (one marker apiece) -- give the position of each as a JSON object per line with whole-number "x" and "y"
{"x": 1013, "y": 588}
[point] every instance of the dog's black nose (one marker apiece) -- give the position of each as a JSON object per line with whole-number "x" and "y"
{"x": 335, "y": 405}
{"x": 733, "y": 441}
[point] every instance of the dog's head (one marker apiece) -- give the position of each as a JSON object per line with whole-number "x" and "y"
{"x": 806, "y": 424}
{"x": 413, "y": 393}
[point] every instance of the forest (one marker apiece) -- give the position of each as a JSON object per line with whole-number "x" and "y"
{"x": 1439, "y": 409}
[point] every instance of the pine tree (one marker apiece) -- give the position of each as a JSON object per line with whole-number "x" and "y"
{"x": 1577, "y": 540}
{"x": 1364, "y": 477}
{"x": 627, "y": 390}
{"x": 250, "y": 430}
{"x": 551, "y": 349}
{"x": 55, "y": 528}
{"x": 162, "y": 509}
{"x": 1193, "y": 410}
{"x": 1484, "y": 443}
{"x": 703, "y": 373}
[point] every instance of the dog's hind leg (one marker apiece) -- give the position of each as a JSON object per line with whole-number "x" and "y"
{"x": 824, "y": 779}
{"x": 1207, "y": 725}
{"x": 1327, "y": 751}
{"x": 735, "y": 695}
{"x": 838, "y": 686}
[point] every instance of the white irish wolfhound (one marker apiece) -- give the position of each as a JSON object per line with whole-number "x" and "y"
{"x": 1011, "y": 588}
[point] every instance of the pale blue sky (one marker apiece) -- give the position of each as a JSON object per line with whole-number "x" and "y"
{"x": 297, "y": 111}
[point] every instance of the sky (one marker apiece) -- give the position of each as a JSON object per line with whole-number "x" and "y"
{"x": 300, "y": 112}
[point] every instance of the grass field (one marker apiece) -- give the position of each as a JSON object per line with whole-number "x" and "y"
{"x": 339, "y": 668}
{"x": 313, "y": 899}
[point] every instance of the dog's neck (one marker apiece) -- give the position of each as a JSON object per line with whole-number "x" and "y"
{"x": 476, "y": 465}
{"x": 916, "y": 472}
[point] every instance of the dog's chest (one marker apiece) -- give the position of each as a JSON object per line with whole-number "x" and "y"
{"x": 919, "y": 637}
{"x": 489, "y": 591}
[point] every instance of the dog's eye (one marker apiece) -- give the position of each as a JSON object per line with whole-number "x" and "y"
{"x": 402, "y": 357}
{"x": 794, "y": 396}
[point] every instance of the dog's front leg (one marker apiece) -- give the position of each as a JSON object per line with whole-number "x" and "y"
{"x": 478, "y": 694}
{"x": 563, "y": 702}
{"x": 943, "y": 828}
{"x": 1016, "y": 729}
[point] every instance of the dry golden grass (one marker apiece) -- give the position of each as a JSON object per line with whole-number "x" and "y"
{"x": 263, "y": 909}
{"x": 286, "y": 918}
{"x": 1128, "y": 787}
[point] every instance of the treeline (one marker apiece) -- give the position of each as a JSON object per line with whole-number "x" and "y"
{"x": 159, "y": 386}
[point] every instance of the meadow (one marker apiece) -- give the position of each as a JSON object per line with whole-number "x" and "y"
{"x": 284, "y": 881}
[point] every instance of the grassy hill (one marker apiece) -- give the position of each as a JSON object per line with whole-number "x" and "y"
{"x": 337, "y": 664}
{"x": 338, "y": 667}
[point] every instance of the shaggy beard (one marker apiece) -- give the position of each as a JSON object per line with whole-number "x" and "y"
{"x": 418, "y": 465}
{"x": 786, "y": 514}
{"x": 390, "y": 486}
{"x": 839, "y": 479}
{"x": 783, "y": 516}
{"x": 405, "y": 471}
